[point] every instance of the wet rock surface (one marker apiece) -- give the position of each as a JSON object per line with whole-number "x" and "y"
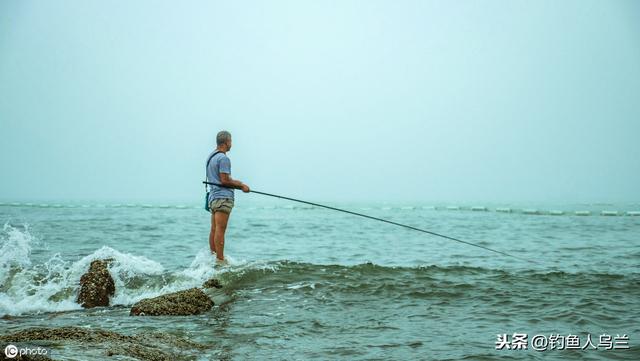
{"x": 188, "y": 302}
{"x": 212, "y": 283}
{"x": 147, "y": 346}
{"x": 64, "y": 333}
{"x": 96, "y": 286}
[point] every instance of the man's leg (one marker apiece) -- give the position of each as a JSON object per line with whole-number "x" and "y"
{"x": 212, "y": 233}
{"x": 221, "y": 219}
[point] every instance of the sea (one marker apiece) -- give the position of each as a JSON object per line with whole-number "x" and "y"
{"x": 305, "y": 283}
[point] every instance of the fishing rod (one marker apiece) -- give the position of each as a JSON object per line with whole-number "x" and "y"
{"x": 386, "y": 221}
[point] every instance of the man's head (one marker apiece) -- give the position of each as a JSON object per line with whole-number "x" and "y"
{"x": 223, "y": 140}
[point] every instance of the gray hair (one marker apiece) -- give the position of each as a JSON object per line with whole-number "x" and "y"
{"x": 222, "y": 137}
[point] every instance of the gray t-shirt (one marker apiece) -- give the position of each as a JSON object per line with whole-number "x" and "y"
{"x": 220, "y": 163}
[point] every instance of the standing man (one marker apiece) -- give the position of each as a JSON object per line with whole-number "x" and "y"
{"x": 221, "y": 198}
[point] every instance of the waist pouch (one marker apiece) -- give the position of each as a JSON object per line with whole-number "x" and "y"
{"x": 206, "y": 202}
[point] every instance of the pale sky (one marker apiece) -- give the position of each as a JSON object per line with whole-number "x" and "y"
{"x": 326, "y": 100}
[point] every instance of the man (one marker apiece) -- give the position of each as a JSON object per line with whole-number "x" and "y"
{"x": 221, "y": 198}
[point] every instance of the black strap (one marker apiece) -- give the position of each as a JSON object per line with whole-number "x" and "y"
{"x": 206, "y": 175}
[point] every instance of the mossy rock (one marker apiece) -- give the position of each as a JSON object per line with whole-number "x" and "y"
{"x": 212, "y": 283}
{"x": 188, "y": 302}
{"x": 96, "y": 286}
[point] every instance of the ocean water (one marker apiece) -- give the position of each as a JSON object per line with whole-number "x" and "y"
{"x": 310, "y": 283}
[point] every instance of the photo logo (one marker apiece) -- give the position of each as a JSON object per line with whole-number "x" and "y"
{"x": 11, "y": 351}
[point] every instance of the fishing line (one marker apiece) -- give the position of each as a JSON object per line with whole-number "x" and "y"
{"x": 386, "y": 221}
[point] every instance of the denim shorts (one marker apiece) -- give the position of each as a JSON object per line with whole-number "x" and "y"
{"x": 221, "y": 205}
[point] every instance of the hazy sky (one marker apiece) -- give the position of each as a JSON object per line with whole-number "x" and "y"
{"x": 326, "y": 100}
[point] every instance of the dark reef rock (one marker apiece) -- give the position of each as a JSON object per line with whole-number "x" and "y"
{"x": 212, "y": 283}
{"x": 96, "y": 286}
{"x": 64, "y": 334}
{"x": 147, "y": 346}
{"x": 188, "y": 302}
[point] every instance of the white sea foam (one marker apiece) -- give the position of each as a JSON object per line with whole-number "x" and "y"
{"x": 53, "y": 286}
{"x": 15, "y": 248}
{"x": 26, "y": 287}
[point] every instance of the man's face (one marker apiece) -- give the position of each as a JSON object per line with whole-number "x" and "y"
{"x": 229, "y": 144}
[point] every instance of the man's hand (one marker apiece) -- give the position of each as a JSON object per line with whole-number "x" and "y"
{"x": 245, "y": 188}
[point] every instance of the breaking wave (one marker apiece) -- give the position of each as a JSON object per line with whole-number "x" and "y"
{"x": 27, "y": 287}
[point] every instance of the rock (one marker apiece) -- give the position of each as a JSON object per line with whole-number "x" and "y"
{"x": 212, "y": 283}
{"x": 140, "y": 352}
{"x": 146, "y": 346}
{"x": 96, "y": 286}
{"x": 65, "y": 334}
{"x": 60, "y": 334}
{"x": 188, "y": 302}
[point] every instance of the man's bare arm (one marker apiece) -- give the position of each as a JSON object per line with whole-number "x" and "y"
{"x": 227, "y": 181}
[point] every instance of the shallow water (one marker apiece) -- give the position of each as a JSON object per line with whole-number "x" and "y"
{"x": 306, "y": 283}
